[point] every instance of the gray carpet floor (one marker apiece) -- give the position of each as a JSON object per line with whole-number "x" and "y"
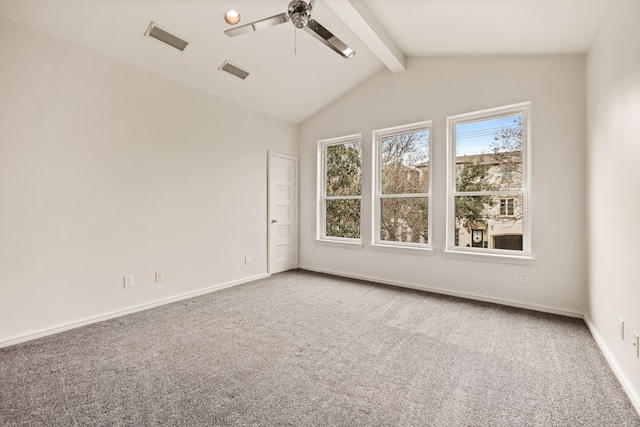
{"x": 305, "y": 349}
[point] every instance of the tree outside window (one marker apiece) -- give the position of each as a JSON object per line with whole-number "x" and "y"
{"x": 342, "y": 189}
{"x": 402, "y": 185}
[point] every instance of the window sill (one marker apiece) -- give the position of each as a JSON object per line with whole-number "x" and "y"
{"x": 357, "y": 244}
{"x": 410, "y": 250}
{"x": 489, "y": 257}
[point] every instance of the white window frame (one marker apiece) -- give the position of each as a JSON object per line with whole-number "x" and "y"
{"x": 525, "y": 256}
{"x": 509, "y": 202}
{"x": 376, "y": 139}
{"x": 321, "y": 233}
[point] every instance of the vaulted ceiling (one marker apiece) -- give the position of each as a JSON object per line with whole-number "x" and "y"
{"x": 293, "y": 75}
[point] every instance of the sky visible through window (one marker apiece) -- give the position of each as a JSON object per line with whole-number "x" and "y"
{"x": 476, "y": 137}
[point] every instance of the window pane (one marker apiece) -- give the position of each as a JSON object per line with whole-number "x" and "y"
{"x": 489, "y": 222}
{"x": 404, "y": 219}
{"x": 507, "y": 207}
{"x": 343, "y": 218}
{"x": 489, "y": 154}
{"x": 405, "y": 163}
{"x": 343, "y": 168}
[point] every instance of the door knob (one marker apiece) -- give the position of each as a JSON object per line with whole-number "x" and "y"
{"x": 273, "y": 221}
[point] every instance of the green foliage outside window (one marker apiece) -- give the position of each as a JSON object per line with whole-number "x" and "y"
{"x": 343, "y": 179}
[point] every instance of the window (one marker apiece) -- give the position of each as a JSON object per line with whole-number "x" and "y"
{"x": 488, "y": 206}
{"x": 507, "y": 207}
{"x": 340, "y": 189}
{"x": 402, "y": 186}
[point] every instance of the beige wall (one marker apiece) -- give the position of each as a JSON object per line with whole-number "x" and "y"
{"x": 432, "y": 89}
{"x": 613, "y": 196}
{"x": 107, "y": 170}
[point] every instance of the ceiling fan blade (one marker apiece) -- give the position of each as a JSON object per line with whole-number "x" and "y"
{"x": 325, "y": 36}
{"x": 258, "y": 25}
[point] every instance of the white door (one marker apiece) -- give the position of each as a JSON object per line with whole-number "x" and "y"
{"x": 283, "y": 212}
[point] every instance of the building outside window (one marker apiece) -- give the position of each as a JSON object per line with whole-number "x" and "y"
{"x": 507, "y": 207}
{"x": 488, "y": 207}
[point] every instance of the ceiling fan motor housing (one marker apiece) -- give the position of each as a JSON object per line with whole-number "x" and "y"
{"x": 299, "y": 13}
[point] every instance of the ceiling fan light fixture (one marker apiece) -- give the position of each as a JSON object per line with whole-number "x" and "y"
{"x": 232, "y": 17}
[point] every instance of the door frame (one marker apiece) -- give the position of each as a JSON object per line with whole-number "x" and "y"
{"x": 294, "y": 228}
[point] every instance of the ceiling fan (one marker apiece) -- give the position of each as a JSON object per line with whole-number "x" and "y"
{"x": 299, "y": 13}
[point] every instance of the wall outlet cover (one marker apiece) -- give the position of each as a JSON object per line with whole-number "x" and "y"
{"x": 128, "y": 281}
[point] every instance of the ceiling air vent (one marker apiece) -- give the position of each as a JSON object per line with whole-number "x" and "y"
{"x": 166, "y": 37}
{"x": 234, "y": 70}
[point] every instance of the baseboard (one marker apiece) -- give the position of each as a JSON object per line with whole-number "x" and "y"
{"x": 622, "y": 378}
{"x": 466, "y": 295}
{"x": 124, "y": 312}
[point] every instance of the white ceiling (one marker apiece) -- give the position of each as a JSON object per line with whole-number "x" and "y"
{"x": 295, "y": 85}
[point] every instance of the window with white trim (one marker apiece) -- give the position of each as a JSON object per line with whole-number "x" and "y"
{"x": 340, "y": 189}
{"x": 488, "y": 207}
{"x": 507, "y": 207}
{"x": 402, "y": 175}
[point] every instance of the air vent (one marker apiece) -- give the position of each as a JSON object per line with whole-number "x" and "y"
{"x": 166, "y": 37}
{"x": 234, "y": 70}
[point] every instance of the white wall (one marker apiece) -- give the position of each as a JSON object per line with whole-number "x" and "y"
{"x": 613, "y": 196}
{"x": 432, "y": 89}
{"x": 107, "y": 170}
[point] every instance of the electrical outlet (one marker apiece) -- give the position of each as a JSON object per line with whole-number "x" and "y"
{"x": 158, "y": 276}
{"x": 636, "y": 343}
{"x": 128, "y": 281}
{"x": 524, "y": 277}
{"x": 247, "y": 259}
{"x": 621, "y": 328}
